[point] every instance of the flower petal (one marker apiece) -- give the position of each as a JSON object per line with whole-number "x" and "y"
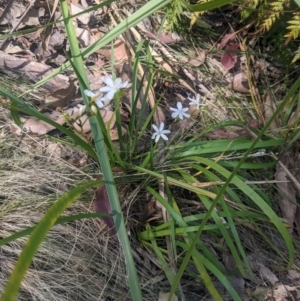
{"x": 118, "y": 83}
{"x": 106, "y": 89}
{"x": 108, "y": 81}
{"x": 124, "y": 85}
{"x": 164, "y": 137}
{"x": 154, "y": 135}
{"x": 186, "y": 115}
{"x": 174, "y": 109}
{"x": 110, "y": 94}
{"x": 175, "y": 114}
{"x": 166, "y": 132}
{"x": 161, "y": 127}
{"x": 155, "y": 128}
{"x": 99, "y": 103}
{"x": 179, "y": 105}
{"x": 157, "y": 138}
{"x": 184, "y": 109}
{"x": 89, "y": 93}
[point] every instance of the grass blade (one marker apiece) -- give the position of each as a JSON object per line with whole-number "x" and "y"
{"x": 37, "y": 237}
{"x": 103, "y": 158}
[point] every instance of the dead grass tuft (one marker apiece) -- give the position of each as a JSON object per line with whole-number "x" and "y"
{"x": 78, "y": 260}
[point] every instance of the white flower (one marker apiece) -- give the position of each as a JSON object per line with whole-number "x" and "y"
{"x": 180, "y": 111}
{"x": 112, "y": 86}
{"x": 89, "y": 93}
{"x": 102, "y": 101}
{"x": 97, "y": 97}
{"x": 196, "y": 101}
{"x": 160, "y": 132}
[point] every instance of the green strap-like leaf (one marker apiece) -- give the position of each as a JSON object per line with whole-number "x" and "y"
{"x": 209, "y": 5}
{"x": 37, "y": 237}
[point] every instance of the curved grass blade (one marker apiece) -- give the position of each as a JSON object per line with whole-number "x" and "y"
{"x": 279, "y": 109}
{"x": 133, "y": 279}
{"x": 221, "y": 226}
{"x": 163, "y": 263}
{"x": 19, "y": 105}
{"x": 60, "y": 220}
{"x": 232, "y": 225}
{"x": 217, "y": 146}
{"x": 188, "y": 238}
{"x": 208, "y": 5}
{"x": 222, "y": 278}
{"x": 37, "y": 237}
{"x": 256, "y": 198}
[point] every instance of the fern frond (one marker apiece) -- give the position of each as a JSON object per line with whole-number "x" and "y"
{"x": 296, "y": 57}
{"x": 294, "y": 27}
{"x": 174, "y": 14}
{"x": 274, "y": 11}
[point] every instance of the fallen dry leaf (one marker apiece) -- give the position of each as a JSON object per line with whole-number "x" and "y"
{"x": 197, "y": 60}
{"x": 60, "y": 98}
{"x": 240, "y": 83}
{"x": 229, "y": 57}
{"x": 16, "y": 12}
{"x": 278, "y": 292}
{"x": 36, "y": 126}
{"x": 165, "y": 37}
{"x": 114, "y": 133}
{"x": 84, "y": 18}
{"x": 84, "y": 37}
{"x": 40, "y": 127}
{"x": 57, "y": 39}
{"x": 31, "y": 71}
{"x": 120, "y": 52}
{"x": 102, "y": 205}
{"x": 229, "y": 37}
{"x": 82, "y": 124}
{"x": 46, "y": 36}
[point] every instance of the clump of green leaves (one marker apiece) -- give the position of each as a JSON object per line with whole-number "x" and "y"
{"x": 279, "y": 19}
{"x": 175, "y": 12}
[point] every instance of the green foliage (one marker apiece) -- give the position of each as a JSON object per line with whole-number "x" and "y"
{"x": 174, "y": 13}
{"x": 37, "y": 237}
{"x": 177, "y": 8}
{"x": 187, "y": 162}
{"x": 280, "y": 20}
{"x": 271, "y": 13}
{"x": 294, "y": 27}
{"x": 283, "y": 16}
{"x": 101, "y": 150}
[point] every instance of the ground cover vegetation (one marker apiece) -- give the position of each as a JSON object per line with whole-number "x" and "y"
{"x": 149, "y": 150}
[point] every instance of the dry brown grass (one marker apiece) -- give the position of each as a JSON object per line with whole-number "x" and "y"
{"x": 78, "y": 260}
